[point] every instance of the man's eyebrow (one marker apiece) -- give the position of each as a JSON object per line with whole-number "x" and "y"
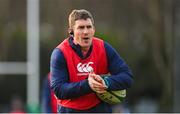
{"x": 81, "y": 26}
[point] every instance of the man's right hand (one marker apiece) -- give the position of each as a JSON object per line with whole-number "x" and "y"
{"x": 96, "y": 83}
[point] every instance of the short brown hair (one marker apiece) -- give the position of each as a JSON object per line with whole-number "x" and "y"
{"x": 78, "y": 14}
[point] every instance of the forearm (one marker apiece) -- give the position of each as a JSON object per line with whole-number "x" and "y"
{"x": 119, "y": 81}
{"x": 71, "y": 90}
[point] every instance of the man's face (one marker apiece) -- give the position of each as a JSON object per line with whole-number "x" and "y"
{"x": 83, "y": 32}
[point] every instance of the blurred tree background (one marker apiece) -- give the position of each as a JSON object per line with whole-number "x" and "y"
{"x": 142, "y": 31}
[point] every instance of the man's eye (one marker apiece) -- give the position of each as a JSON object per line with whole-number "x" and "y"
{"x": 81, "y": 27}
{"x": 89, "y": 26}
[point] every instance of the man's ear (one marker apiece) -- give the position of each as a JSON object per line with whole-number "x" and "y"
{"x": 70, "y": 31}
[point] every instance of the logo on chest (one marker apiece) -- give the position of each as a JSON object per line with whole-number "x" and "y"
{"x": 84, "y": 68}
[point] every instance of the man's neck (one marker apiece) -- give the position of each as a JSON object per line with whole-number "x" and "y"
{"x": 84, "y": 50}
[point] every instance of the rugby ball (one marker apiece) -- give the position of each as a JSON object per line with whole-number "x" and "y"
{"x": 112, "y": 97}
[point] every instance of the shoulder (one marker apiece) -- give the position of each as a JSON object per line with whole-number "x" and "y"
{"x": 56, "y": 52}
{"x": 63, "y": 44}
{"x": 57, "y": 55}
{"x": 106, "y": 44}
{"x": 97, "y": 42}
{"x": 109, "y": 49}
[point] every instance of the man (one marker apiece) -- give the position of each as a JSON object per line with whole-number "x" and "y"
{"x": 78, "y": 63}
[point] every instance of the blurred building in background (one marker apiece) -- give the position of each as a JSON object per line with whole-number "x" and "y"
{"x": 145, "y": 32}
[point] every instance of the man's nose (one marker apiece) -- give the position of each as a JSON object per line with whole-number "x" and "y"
{"x": 85, "y": 30}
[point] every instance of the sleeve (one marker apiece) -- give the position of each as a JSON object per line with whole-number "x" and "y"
{"x": 121, "y": 75}
{"x": 59, "y": 80}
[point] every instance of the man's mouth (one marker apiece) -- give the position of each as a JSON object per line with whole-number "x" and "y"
{"x": 85, "y": 38}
